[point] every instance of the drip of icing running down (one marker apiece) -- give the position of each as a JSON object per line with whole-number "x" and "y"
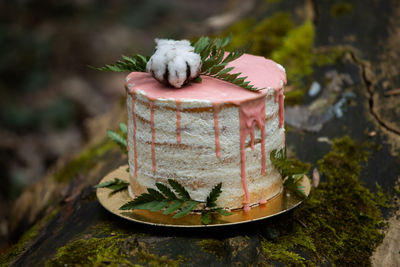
{"x": 251, "y": 114}
{"x": 261, "y": 72}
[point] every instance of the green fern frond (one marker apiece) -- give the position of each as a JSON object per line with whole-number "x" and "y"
{"x": 214, "y": 61}
{"x": 127, "y": 64}
{"x": 118, "y": 139}
{"x": 181, "y": 204}
{"x": 115, "y": 185}
{"x": 291, "y": 170}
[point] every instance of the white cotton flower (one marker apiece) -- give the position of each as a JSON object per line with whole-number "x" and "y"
{"x": 174, "y": 63}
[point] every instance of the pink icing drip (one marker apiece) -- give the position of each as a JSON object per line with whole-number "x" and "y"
{"x": 216, "y": 131}
{"x": 263, "y": 201}
{"x": 153, "y": 136}
{"x": 252, "y": 139}
{"x": 251, "y": 114}
{"x": 276, "y": 94}
{"x": 128, "y": 136}
{"x": 281, "y": 109}
{"x": 134, "y": 134}
{"x": 178, "y": 121}
{"x": 262, "y": 73}
{"x": 246, "y": 208}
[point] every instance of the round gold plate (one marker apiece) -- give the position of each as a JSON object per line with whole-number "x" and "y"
{"x": 279, "y": 204}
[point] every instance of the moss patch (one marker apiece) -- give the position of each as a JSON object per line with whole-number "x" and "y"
{"x": 19, "y": 248}
{"x": 339, "y": 223}
{"x": 340, "y": 9}
{"x": 278, "y": 38}
{"x": 213, "y": 246}
{"x": 85, "y": 161}
{"x": 295, "y": 53}
{"x": 106, "y": 251}
{"x": 92, "y": 252}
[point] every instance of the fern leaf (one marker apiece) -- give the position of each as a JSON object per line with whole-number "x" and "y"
{"x": 223, "y": 212}
{"x": 190, "y": 205}
{"x": 206, "y": 217}
{"x": 177, "y": 204}
{"x": 147, "y": 206}
{"x": 123, "y": 128}
{"x": 115, "y": 185}
{"x": 213, "y": 196}
{"x": 156, "y": 195}
{"x": 105, "y": 184}
{"x": 142, "y": 199}
{"x": 179, "y": 189}
{"x": 166, "y": 191}
{"x": 224, "y": 71}
{"x": 201, "y": 44}
{"x": 118, "y": 139}
{"x": 215, "y": 69}
{"x": 207, "y": 64}
{"x": 160, "y": 205}
{"x": 225, "y": 41}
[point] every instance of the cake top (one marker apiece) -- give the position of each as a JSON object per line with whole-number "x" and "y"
{"x": 261, "y": 72}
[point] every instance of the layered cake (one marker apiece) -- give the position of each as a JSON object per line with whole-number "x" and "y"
{"x": 209, "y": 132}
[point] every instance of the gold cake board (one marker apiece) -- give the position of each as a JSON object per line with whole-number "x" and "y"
{"x": 278, "y": 204}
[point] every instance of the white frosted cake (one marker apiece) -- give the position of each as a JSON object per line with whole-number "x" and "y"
{"x": 209, "y": 132}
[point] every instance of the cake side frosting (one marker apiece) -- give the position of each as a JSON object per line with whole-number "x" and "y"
{"x": 208, "y": 132}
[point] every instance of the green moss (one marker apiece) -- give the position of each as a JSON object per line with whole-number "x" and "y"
{"x": 397, "y": 189}
{"x": 19, "y": 248}
{"x": 340, "y": 9}
{"x": 295, "y": 53}
{"x": 86, "y": 160}
{"x": 383, "y": 199}
{"x": 339, "y": 223}
{"x": 91, "y": 252}
{"x": 294, "y": 97}
{"x": 106, "y": 251}
{"x": 329, "y": 56}
{"x": 213, "y": 246}
{"x": 261, "y": 38}
{"x": 278, "y": 38}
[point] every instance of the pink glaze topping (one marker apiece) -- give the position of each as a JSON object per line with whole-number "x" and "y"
{"x": 262, "y": 73}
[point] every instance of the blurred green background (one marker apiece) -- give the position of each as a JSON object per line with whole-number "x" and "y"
{"x": 49, "y": 96}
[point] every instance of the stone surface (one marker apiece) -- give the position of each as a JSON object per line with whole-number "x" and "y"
{"x": 78, "y": 221}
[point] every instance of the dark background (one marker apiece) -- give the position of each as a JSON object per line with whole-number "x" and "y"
{"x": 52, "y": 105}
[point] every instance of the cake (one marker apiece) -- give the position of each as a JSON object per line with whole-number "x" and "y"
{"x": 209, "y": 132}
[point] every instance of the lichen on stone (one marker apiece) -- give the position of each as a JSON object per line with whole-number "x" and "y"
{"x": 9, "y": 255}
{"x": 339, "y": 223}
{"x": 213, "y": 246}
{"x": 86, "y": 160}
{"x": 105, "y": 251}
{"x": 340, "y": 9}
{"x": 278, "y": 38}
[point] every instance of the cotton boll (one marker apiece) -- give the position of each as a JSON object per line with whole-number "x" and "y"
{"x": 174, "y": 62}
